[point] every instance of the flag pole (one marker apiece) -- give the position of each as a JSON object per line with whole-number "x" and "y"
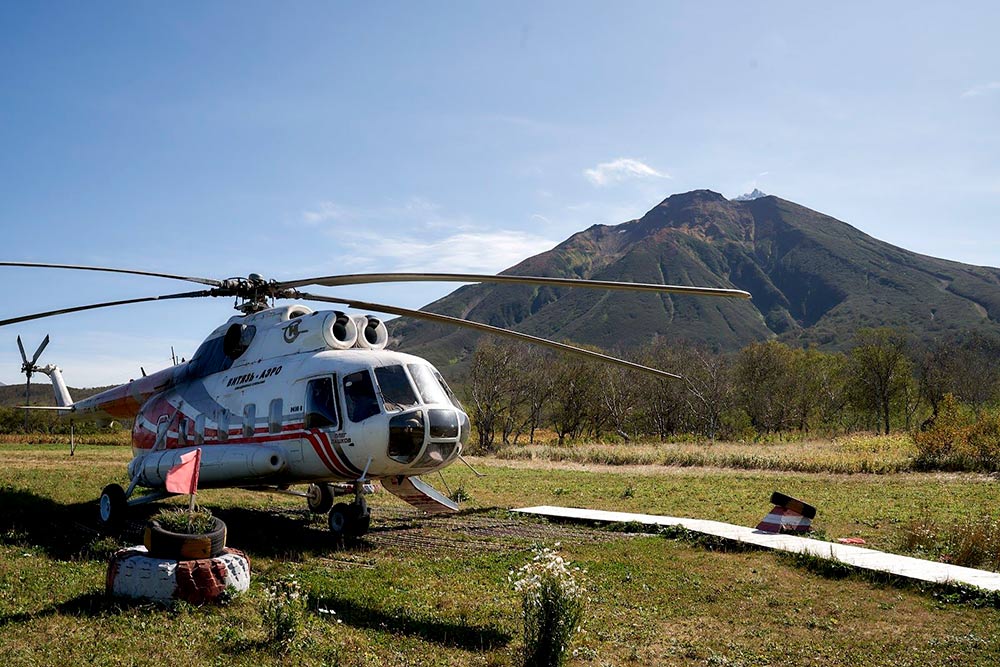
{"x": 190, "y": 510}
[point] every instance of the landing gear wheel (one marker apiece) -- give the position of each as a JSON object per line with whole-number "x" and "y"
{"x": 319, "y": 497}
{"x": 361, "y": 521}
{"x": 339, "y": 517}
{"x": 349, "y": 521}
{"x": 113, "y": 507}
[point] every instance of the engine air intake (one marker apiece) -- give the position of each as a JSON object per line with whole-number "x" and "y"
{"x": 340, "y": 330}
{"x": 372, "y": 333}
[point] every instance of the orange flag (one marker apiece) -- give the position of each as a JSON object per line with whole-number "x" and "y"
{"x": 183, "y": 477}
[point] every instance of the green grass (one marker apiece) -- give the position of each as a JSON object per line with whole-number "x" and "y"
{"x": 430, "y": 592}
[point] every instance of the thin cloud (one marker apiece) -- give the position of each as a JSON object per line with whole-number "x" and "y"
{"x": 622, "y": 169}
{"x": 471, "y": 252}
{"x": 326, "y": 211}
{"x": 982, "y": 89}
{"x": 414, "y": 211}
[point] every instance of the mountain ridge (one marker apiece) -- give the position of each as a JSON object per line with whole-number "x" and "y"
{"x": 814, "y": 280}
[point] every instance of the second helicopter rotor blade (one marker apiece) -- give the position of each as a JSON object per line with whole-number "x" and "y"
{"x": 41, "y": 347}
{"x": 107, "y": 269}
{"x": 497, "y": 331}
{"x": 20, "y": 346}
{"x": 92, "y": 306}
{"x": 368, "y": 278}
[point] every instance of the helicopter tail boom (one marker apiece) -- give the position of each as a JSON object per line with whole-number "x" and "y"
{"x": 62, "y": 396}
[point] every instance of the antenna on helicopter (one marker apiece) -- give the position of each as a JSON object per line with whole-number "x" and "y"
{"x": 173, "y": 356}
{"x": 28, "y": 368}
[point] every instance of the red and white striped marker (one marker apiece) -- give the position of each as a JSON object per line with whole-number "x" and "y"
{"x": 789, "y": 515}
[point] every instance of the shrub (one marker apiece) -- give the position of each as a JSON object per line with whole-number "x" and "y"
{"x": 960, "y": 440}
{"x": 282, "y": 613}
{"x": 552, "y": 603}
{"x": 983, "y": 440}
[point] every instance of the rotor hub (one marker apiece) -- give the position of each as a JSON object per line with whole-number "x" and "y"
{"x": 253, "y": 293}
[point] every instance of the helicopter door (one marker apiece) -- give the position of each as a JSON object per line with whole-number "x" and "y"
{"x": 321, "y": 403}
{"x": 359, "y": 396}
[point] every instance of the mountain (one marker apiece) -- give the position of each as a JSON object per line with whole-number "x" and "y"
{"x": 750, "y": 196}
{"x": 815, "y": 280}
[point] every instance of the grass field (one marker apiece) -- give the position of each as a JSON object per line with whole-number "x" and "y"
{"x": 420, "y": 591}
{"x": 847, "y": 454}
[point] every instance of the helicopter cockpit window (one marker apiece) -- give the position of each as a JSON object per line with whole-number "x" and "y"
{"x": 395, "y": 387}
{"x": 321, "y": 404}
{"x": 451, "y": 395}
{"x": 427, "y": 384}
{"x": 359, "y": 395}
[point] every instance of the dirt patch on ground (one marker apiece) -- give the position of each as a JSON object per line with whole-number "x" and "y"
{"x": 401, "y": 530}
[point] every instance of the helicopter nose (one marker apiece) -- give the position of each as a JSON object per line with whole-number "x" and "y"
{"x": 438, "y": 432}
{"x": 406, "y": 436}
{"x": 443, "y": 423}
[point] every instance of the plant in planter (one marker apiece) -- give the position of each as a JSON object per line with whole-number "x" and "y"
{"x": 185, "y": 555}
{"x": 189, "y": 535}
{"x": 180, "y": 534}
{"x": 179, "y": 520}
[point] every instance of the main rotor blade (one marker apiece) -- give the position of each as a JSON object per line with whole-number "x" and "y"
{"x": 92, "y": 306}
{"x": 20, "y": 346}
{"x": 507, "y": 333}
{"x": 192, "y": 279}
{"x": 41, "y": 347}
{"x": 366, "y": 278}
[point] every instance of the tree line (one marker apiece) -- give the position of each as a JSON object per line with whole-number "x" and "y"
{"x": 886, "y": 380}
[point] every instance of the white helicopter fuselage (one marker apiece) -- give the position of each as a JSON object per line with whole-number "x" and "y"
{"x": 287, "y": 396}
{"x": 280, "y": 396}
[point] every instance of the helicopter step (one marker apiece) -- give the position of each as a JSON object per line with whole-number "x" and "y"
{"x": 420, "y": 494}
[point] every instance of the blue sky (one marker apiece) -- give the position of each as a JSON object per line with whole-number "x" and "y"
{"x": 297, "y": 139}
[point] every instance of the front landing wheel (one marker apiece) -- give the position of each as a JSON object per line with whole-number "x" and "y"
{"x": 349, "y": 521}
{"x": 338, "y": 520}
{"x": 113, "y": 507}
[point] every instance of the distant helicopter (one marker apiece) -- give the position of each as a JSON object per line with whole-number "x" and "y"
{"x": 280, "y": 396}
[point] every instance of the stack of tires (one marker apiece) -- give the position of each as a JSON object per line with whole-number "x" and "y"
{"x": 198, "y": 569}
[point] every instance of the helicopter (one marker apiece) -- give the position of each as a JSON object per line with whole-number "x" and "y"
{"x": 281, "y": 396}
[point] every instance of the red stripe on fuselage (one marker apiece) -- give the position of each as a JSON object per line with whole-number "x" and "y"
{"x": 316, "y": 439}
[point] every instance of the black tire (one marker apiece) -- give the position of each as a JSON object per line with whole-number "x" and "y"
{"x": 359, "y": 522}
{"x": 319, "y": 498}
{"x": 339, "y": 519}
{"x": 162, "y": 543}
{"x": 112, "y": 508}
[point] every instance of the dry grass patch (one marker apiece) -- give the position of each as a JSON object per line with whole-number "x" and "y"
{"x": 856, "y": 453}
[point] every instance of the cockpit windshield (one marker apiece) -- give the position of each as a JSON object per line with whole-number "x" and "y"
{"x": 444, "y": 385}
{"x": 397, "y": 393}
{"x": 427, "y": 384}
